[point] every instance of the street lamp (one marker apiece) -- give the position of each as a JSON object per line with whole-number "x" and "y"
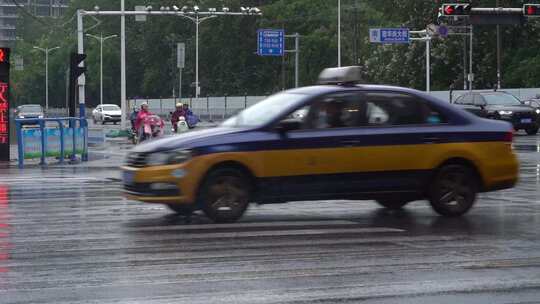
{"x": 194, "y": 16}
{"x": 101, "y": 39}
{"x": 46, "y": 51}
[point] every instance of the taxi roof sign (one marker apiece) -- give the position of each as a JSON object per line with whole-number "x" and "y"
{"x": 341, "y": 75}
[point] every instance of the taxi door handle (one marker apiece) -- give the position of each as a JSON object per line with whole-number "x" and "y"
{"x": 350, "y": 143}
{"x": 432, "y": 140}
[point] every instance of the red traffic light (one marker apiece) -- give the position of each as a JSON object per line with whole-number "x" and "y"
{"x": 531, "y": 9}
{"x": 456, "y": 9}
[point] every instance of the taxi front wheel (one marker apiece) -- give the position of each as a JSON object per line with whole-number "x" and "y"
{"x": 453, "y": 191}
{"x": 225, "y": 195}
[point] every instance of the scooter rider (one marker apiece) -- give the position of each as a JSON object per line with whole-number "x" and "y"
{"x": 191, "y": 118}
{"x": 133, "y": 117}
{"x": 179, "y": 112}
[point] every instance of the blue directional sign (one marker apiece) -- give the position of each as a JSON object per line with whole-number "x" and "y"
{"x": 389, "y": 35}
{"x": 270, "y": 42}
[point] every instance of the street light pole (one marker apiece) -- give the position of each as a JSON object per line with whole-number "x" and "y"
{"x": 197, "y": 88}
{"x": 197, "y": 22}
{"x": 46, "y": 51}
{"x": 339, "y": 33}
{"x": 101, "y": 39}
{"x": 123, "y": 93}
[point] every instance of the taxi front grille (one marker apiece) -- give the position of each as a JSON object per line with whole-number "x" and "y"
{"x": 136, "y": 160}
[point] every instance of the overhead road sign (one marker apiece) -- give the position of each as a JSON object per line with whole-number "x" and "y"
{"x": 389, "y": 35}
{"x": 270, "y": 42}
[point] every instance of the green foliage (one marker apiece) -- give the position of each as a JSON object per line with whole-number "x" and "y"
{"x": 229, "y": 65}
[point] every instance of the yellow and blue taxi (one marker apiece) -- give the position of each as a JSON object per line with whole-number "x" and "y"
{"x": 336, "y": 140}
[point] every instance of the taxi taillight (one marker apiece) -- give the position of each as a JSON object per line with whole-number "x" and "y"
{"x": 509, "y": 137}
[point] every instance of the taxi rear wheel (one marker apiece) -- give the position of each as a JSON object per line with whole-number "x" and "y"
{"x": 453, "y": 191}
{"x": 392, "y": 204}
{"x": 225, "y": 195}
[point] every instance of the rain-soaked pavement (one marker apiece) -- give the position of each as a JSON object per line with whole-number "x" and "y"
{"x": 68, "y": 236}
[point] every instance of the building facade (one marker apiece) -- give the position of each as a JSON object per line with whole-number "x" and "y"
{"x": 10, "y": 11}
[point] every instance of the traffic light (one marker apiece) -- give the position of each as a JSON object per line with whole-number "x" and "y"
{"x": 75, "y": 71}
{"x": 456, "y": 9}
{"x": 530, "y": 10}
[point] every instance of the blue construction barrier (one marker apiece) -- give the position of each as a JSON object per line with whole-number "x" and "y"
{"x": 36, "y": 140}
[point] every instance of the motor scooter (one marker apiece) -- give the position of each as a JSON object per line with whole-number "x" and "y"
{"x": 181, "y": 125}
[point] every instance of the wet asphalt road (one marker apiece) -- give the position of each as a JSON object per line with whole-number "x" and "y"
{"x": 68, "y": 236}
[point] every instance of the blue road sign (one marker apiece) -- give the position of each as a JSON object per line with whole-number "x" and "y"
{"x": 270, "y": 42}
{"x": 389, "y": 35}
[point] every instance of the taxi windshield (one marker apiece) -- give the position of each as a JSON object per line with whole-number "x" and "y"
{"x": 264, "y": 111}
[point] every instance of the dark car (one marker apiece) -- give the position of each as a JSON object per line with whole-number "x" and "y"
{"x": 501, "y": 106}
{"x": 360, "y": 142}
{"x": 533, "y": 102}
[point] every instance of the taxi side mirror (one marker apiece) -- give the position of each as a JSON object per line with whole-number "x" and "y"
{"x": 288, "y": 125}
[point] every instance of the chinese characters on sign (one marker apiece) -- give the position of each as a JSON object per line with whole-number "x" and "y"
{"x": 4, "y": 114}
{"x": 389, "y": 35}
{"x": 4, "y": 104}
{"x": 270, "y": 42}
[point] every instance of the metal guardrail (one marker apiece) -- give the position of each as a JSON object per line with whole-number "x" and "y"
{"x": 41, "y": 123}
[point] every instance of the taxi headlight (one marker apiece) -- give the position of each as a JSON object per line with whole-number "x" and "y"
{"x": 537, "y": 111}
{"x": 168, "y": 158}
{"x": 158, "y": 158}
{"x": 179, "y": 156}
{"x": 505, "y": 112}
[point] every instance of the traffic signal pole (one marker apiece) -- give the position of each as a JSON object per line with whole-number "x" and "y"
{"x": 82, "y": 79}
{"x": 488, "y": 16}
{"x": 123, "y": 13}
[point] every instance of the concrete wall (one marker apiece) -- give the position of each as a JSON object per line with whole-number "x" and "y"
{"x": 219, "y": 108}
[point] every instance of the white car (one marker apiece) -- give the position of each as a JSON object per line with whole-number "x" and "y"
{"x": 107, "y": 113}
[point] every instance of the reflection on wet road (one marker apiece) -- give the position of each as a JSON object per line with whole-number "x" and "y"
{"x": 72, "y": 238}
